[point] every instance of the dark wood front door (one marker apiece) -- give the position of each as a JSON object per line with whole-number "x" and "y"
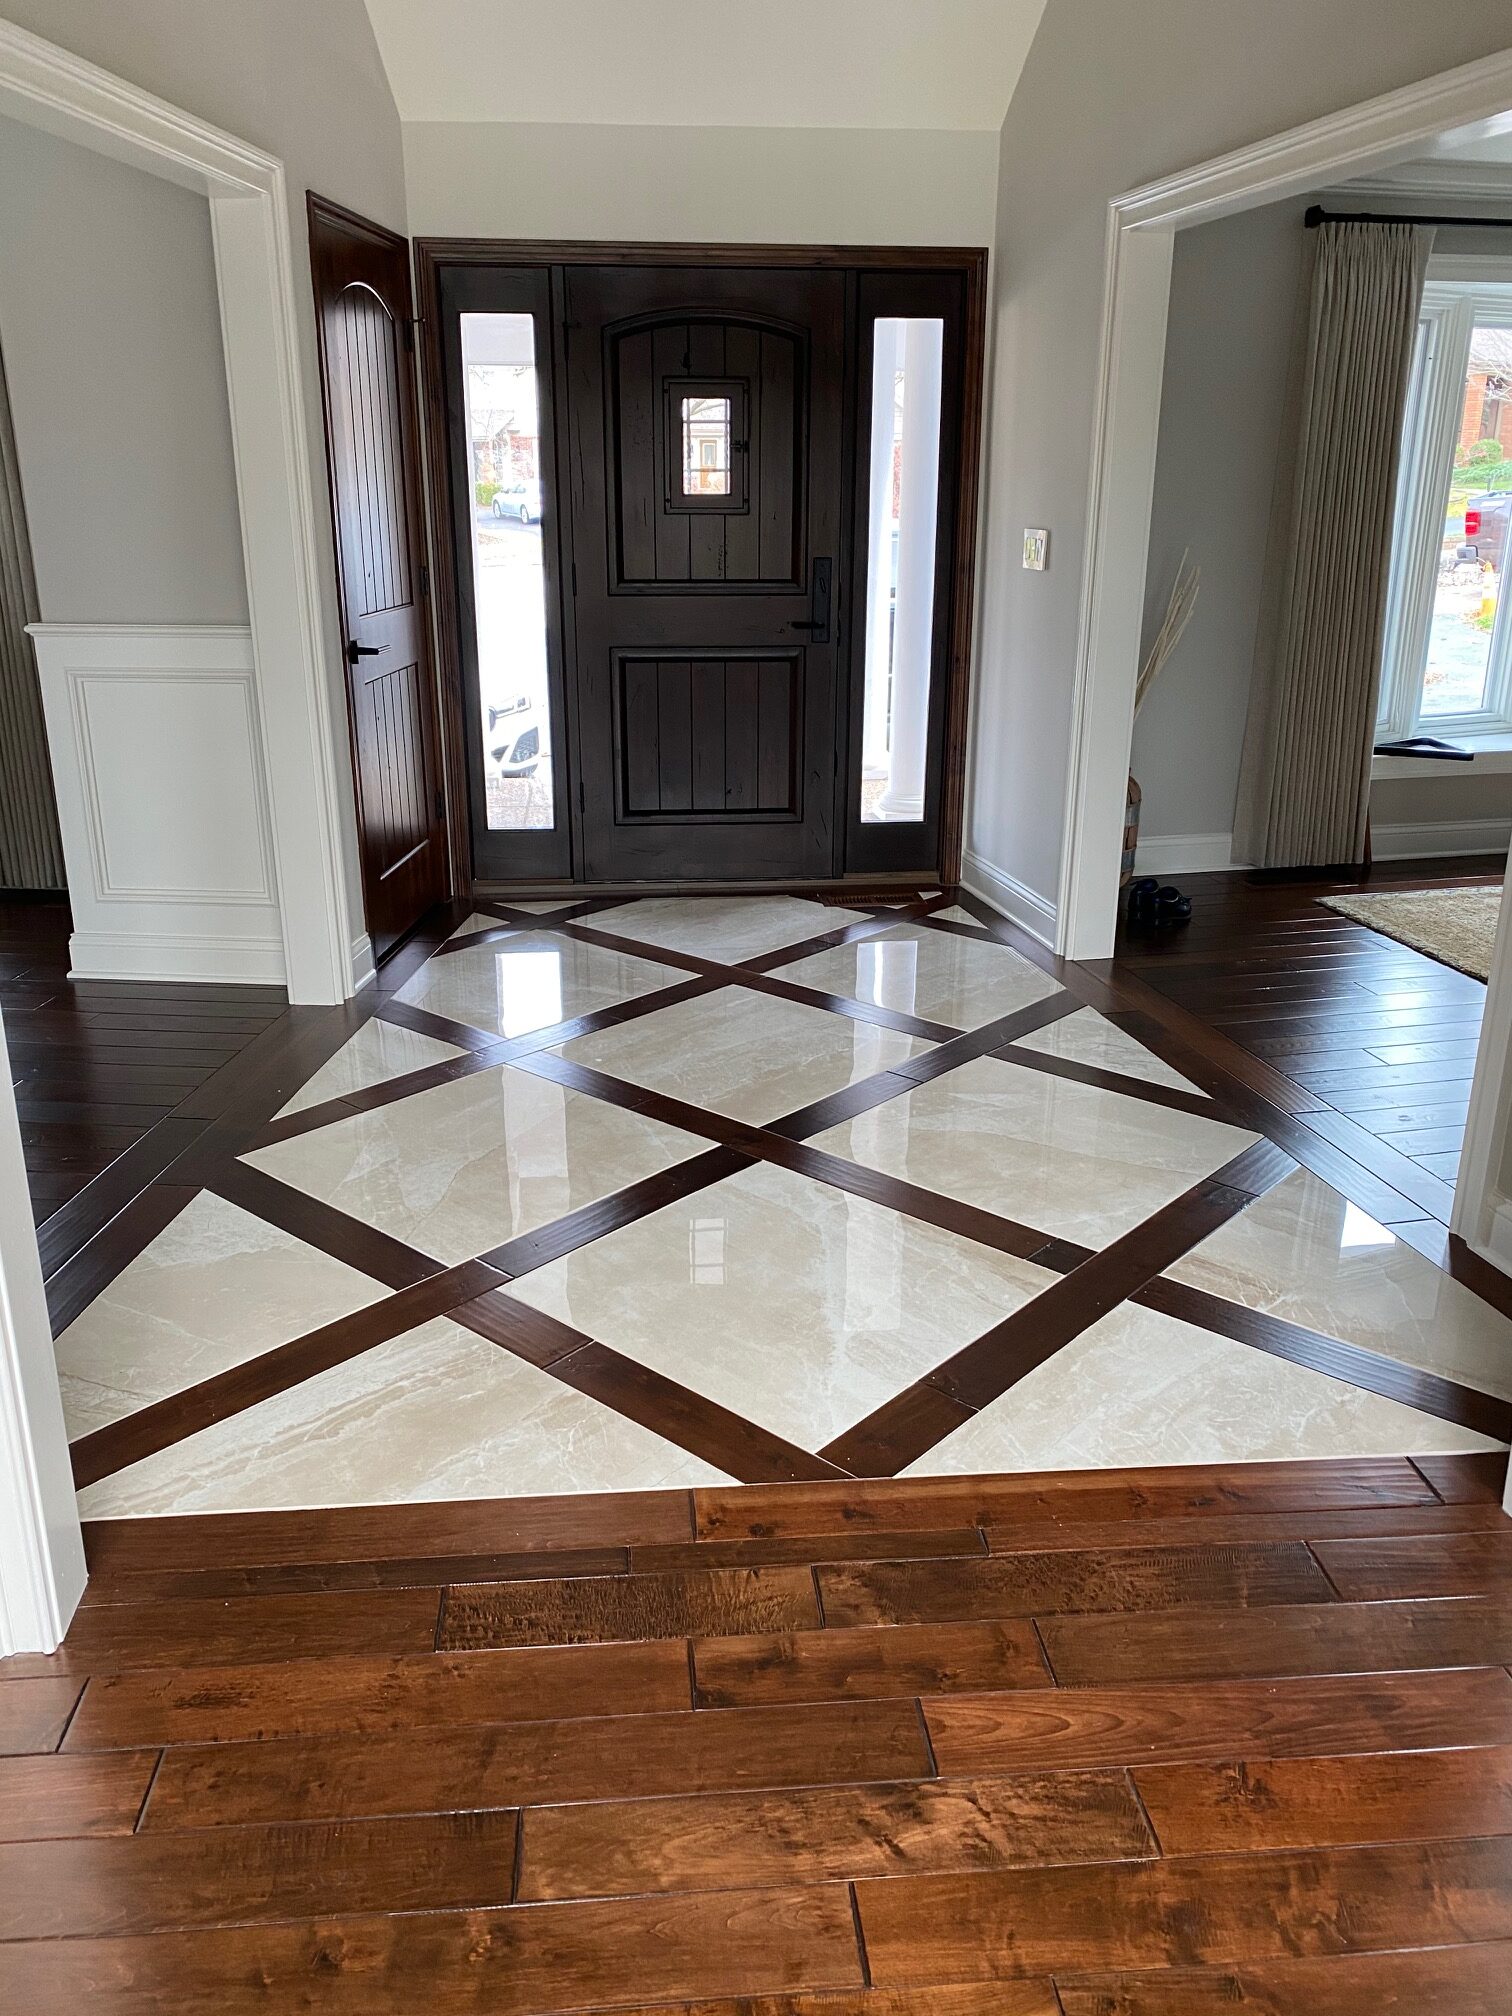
{"x": 705, "y": 411}
{"x": 362, "y": 294}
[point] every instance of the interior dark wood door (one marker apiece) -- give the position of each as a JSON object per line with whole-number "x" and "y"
{"x": 362, "y": 293}
{"x": 705, "y": 418}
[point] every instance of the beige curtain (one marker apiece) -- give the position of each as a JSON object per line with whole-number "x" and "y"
{"x": 1305, "y": 778}
{"x": 31, "y": 854}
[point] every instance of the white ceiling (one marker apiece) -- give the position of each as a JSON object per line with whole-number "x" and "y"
{"x": 948, "y": 64}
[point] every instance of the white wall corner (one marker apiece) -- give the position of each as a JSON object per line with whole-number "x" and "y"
{"x": 1023, "y": 905}
{"x": 42, "y": 1570}
{"x": 1183, "y": 853}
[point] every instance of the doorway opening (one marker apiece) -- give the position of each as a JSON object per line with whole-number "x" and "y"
{"x": 705, "y": 522}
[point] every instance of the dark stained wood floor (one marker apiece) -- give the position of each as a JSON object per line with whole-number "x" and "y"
{"x": 97, "y": 1063}
{"x": 1376, "y": 1040}
{"x": 1160, "y": 1743}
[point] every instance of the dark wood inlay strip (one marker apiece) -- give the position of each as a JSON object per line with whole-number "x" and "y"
{"x": 162, "y": 1423}
{"x": 364, "y": 1247}
{"x": 1147, "y": 1089}
{"x": 530, "y": 1250}
{"x": 1356, "y": 1365}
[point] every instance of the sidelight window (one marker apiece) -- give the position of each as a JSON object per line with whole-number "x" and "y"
{"x": 903, "y": 524}
{"x": 507, "y": 502}
{"x": 1447, "y": 663}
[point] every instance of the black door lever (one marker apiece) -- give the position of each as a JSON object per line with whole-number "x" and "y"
{"x": 818, "y": 626}
{"x": 356, "y": 651}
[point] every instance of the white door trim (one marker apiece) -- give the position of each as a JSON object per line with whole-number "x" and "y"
{"x": 1141, "y": 229}
{"x": 296, "y": 652}
{"x": 290, "y": 600}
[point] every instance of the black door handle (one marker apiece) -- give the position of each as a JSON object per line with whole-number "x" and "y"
{"x": 818, "y": 626}
{"x": 356, "y": 651}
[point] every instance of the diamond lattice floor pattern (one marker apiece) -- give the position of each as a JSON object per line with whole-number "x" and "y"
{"x": 676, "y": 1192}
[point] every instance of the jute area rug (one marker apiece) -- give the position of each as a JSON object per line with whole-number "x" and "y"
{"x": 1454, "y": 926}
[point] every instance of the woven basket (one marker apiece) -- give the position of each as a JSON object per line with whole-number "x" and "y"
{"x": 1130, "y": 834}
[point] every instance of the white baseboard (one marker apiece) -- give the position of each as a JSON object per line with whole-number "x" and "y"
{"x": 1023, "y": 905}
{"x": 104, "y": 955}
{"x": 1497, "y": 1244}
{"x": 1183, "y": 853}
{"x": 1454, "y": 836}
{"x": 364, "y": 966}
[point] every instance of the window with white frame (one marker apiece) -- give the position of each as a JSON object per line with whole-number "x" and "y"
{"x": 1447, "y": 666}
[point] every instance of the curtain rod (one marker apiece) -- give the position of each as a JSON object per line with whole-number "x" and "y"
{"x": 1317, "y": 215}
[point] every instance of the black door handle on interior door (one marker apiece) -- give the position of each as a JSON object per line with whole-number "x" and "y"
{"x": 818, "y": 626}
{"x": 356, "y": 651}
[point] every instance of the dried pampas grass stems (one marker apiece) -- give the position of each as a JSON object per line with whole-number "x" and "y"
{"x": 1177, "y": 616}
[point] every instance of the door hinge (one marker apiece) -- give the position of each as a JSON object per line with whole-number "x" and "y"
{"x": 424, "y": 580}
{"x": 573, "y": 565}
{"x": 409, "y": 335}
{"x": 440, "y": 807}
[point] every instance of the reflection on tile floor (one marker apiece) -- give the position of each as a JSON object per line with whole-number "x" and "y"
{"x": 765, "y": 1302}
{"x": 1306, "y": 1253}
{"x": 463, "y": 1167}
{"x": 530, "y": 982}
{"x": 748, "y": 1055}
{"x": 787, "y": 1301}
{"x": 1071, "y": 1159}
{"x": 933, "y": 974}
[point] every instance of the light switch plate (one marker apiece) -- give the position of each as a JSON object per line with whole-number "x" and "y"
{"x": 1036, "y": 549}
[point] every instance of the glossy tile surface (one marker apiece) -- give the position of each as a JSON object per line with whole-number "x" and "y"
{"x": 1089, "y": 1038}
{"x": 214, "y": 1288}
{"x": 731, "y": 928}
{"x": 1139, "y": 1387}
{"x": 1071, "y": 1160}
{"x": 1304, "y": 1252}
{"x": 937, "y": 975}
{"x": 531, "y": 981}
{"x": 788, "y": 1301}
{"x": 379, "y": 1051}
{"x": 459, "y": 1169}
{"x": 752, "y": 1056}
{"x": 437, "y": 1413}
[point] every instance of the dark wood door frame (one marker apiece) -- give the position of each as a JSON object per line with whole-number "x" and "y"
{"x": 433, "y": 877}
{"x": 431, "y": 254}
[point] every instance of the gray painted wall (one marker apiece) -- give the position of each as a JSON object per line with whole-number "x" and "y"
{"x": 110, "y": 329}
{"x": 302, "y": 79}
{"x": 1235, "y": 295}
{"x": 1112, "y": 97}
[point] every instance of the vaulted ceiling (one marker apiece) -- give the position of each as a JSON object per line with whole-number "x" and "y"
{"x": 949, "y": 64}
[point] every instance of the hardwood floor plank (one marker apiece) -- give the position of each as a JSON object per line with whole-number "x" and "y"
{"x": 510, "y": 1963}
{"x": 1186, "y": 1912}
{"x": 967, "y": 1998}
{"x": 1085, "y": 1728}
{"x": 579, "y": 1611}
{"x": 1369, "y": 1523}
{"x": 1434, "y": 1564}
{"x": 1315, "y": 1638}
{"x": 1115, "y": 1578}
{"x": 764, "y": 1511}
{"x": 34, "y": 1713}
{"x": 837, "y": 1664}
{"x": 611, "y": 1757}
{"x": 380, "y": 1532}
{"x": 1464, "y": 1980}
{"x": 821, "y": 1835}
{"x": 1470, "y": 1479}
{"x": 48, "y": 1798}
{"x": 805, "y": 1548}
{"x": 1327, "y": 1802}
{"x": 114, "y": 1637}
{"x": 363, "y": 1696}
{"x": 310, "y": 1578}
{"x": 189, "y": 1882}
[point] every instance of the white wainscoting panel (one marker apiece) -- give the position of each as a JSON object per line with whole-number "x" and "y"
{"x": 162, "y": 799}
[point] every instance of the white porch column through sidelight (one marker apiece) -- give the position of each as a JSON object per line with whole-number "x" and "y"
{"x": 917, "y": 348}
